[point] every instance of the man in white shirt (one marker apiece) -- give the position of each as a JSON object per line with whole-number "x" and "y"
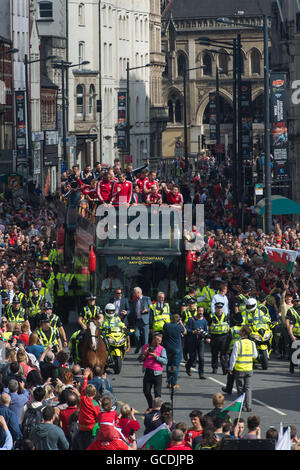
{"x": 221, "y": 297}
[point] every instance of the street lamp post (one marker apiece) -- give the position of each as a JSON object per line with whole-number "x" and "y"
{"x": 268, "y": 179}
{"x": 128, "y": 70}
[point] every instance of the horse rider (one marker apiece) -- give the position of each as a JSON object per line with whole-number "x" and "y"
{"x": 55, "y": 322}
{"x": 90, "y": 311}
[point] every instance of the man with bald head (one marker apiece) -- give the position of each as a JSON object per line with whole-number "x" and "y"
{"x": 10, "y": 418}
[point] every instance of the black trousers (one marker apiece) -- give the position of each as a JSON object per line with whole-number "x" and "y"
{"x": 217, "y": 346}
{"x": 151, "y": 380}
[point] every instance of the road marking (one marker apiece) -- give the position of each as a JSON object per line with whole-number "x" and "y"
{"x": 275, "y": 410}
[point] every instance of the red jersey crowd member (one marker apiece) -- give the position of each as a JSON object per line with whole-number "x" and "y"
{"x": 196, "y": 429}
{"x": 90, "y": 191}
{"x": 140, "y": 181}
{"x": 154, "y": 197}
{"x": 174, "y": 197}
{"x": 122, "y": 191}
{"x": 150, "y": 182}
{"x": 88, "y": 409}
{"x": 104, "y": 189}
{"x": 177, "y": 441}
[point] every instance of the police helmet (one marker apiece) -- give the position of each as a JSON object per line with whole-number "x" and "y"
{"x": 16, "y": 300}
{"x": 48, "y": 306}
{"x": 110, "y": 310}
{"x": 251, "y": 305}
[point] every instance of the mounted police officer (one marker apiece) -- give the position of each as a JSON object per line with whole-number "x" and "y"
{"x": 91, "y": 310}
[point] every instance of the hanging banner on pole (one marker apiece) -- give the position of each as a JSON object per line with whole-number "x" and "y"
{"x": 279, "y": 131}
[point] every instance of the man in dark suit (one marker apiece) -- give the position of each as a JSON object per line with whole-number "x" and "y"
{"x": 139, "y": 317}
{"x": 121, "y": 305}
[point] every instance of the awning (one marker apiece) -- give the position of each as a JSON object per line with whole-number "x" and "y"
{"x": 280, "y": 206}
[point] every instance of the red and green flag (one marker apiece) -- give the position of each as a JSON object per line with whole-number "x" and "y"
{"x": 282, "y": 259}
{"x": 235, "y": 406}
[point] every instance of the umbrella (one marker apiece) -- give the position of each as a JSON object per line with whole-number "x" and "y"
{"x": 280, "y": 206}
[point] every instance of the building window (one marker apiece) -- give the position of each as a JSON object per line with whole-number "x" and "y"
{"x": 178, "y": 111}
{"x": 79, "y": 100}
{"x": 175, "y": 108}
{"x": 255, "y": 62}
{"x": 91, "y": 100}
{"x": 81, "y": 21}
{"x": 80, "y": 52}
{"x": 181, "y": 64}
{"x": 207, "y": 62}
{"x": 46, "y": 10}
{"x": 223, "y": 62}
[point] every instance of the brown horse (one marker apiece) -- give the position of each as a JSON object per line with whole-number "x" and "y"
{"x": 93, "y": 350}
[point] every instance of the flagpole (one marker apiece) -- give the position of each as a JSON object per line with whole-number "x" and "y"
{"x": 240, "y": 412}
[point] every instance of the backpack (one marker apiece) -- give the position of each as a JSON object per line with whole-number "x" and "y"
{"x": 32, "y": 417}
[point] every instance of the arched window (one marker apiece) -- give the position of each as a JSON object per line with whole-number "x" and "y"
{"x": 223, "y": 62}
{"x": 171, "y": 111}
{"x": 178, "y": 111}
{"x": 80, "y": 100}
{"x": 91, "y": 100}
{"x": 207, "y": 62}
{"x": 255, "y": 62}
{"x": 258, "y": 109}
{"x": 181, "y": 64}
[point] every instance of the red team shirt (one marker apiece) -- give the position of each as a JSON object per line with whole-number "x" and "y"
{"x": 125, "y": 193}
{"x": 153, "y": 198}
{"x": 174, "y": 198}
{"x": 104, "y": 191}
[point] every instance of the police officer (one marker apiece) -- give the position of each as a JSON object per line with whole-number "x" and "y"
{"x": 218, "y": 330}
{"x": 252, "y": 314}
{"x": 243, "y": 296}
{"x": 55, "y": 322}
{"x": 293, "y": 326}
{"x": 159, "y": 314}
{"x": 190, "y": 312}
{"x": 232, "y": 337}
{"x": 15, "y": 312}
{"x": 91, "y": 310}
{"x": 34, "y": 307}
{"x": 48, "y": 335}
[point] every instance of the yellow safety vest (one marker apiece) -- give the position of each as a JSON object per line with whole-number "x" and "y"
{"x": 34, "y": 309}
{"x": 242, "y": 305}
{"x": 208, "y": 292}
{"x": 50, "y": 284}
{"x": 82, "y": 284}
{"x": 113, "y": 324}
{"x": 160, "y": 317}
{"x": 60, "y": 292}
{"x": 244, "y": 361}
{"x": 188, "y": 314}
{"x": 296, "y": 326}
{"x": 52, "y": 339}
{"x": 219, "y": 326}
{"x": 16, "y": 316}
{"x": 235, "y": 336}
{"x": 88, "y": 314}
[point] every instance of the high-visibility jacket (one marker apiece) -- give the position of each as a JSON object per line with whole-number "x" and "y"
{"x": 265, "y": 311}
{"x": 244, "y": 361}
{"x": 296, "y": 326}
{"x": 207, "y": 293}
{"x": 60, "y": 288}
{"x": 50, "y": 284}
{"x": 16, "y": 316}
{"x": 53, "y": 338}
{"x": 90, "y": 312}
{"x": 160, "y": 317}
{"x": 258, "y": 316}
{"x": 235, "y": 335}
{"x": 189, "y": 314}
{"x": 68, "y": 280}
{"x": 82, "y": 284}
{"x": 34, "y": 307}
{"x": 112, "y": 324}
{"x": 54, "y": 319}
{"x": 219, "y": 325}
{"x": 242, "y": 305}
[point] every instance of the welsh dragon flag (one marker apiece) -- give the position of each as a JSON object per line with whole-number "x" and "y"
{"x": 283, "y": 259}
{"x": 235, "y": 406}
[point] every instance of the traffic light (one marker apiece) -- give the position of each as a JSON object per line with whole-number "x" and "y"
{"x": 248, "y": 175}
{"x": 202, "y": 141}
